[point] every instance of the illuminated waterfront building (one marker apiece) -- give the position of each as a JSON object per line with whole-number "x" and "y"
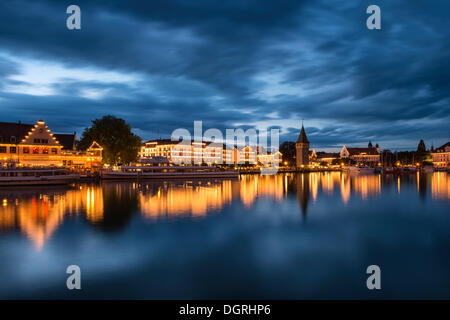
{"x": 441, "y": 156}
{"x": 368, "y": 155}
{"x": 35, "y": 145}
{"x": 197, "y": 152}
{"x": 327, "y": 157}
{"x": 312, "y": 156}
{"x": 267, "y": 157}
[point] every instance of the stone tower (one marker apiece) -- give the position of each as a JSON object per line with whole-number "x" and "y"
{"x": 302, "y": 148}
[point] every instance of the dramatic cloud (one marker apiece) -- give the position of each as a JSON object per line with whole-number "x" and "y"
{"x": 163, "y": 64}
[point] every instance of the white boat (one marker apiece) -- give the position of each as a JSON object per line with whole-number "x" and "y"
{"x": 35, "y": 176}
{"x": 359, "y": 169}
{"x": 427, "y": 169}
{"x": 168, "y": 172}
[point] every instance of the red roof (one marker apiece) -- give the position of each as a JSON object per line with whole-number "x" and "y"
{"x": 442, "y": 148}
{"x": 358, "y": 151}
{"x": 11, "y": 132}
{"x": 327, "y": 155}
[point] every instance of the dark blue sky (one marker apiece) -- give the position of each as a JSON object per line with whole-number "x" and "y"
{"x": 163, "y": 64}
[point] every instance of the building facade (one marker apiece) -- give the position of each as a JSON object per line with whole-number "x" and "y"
{"x": 441, "y": 156}
{"x": 302, "y": 149}
{"x": 197, "y": 152}
{"x": 370, "y": 155}
{"x": 327, "y": 157}
{"x": 35, "y": 145}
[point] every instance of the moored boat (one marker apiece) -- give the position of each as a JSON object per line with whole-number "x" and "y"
{"x": 359, "y": 169}
{"x": 168, "y": 172}
{"x": 35, "y": 176}
{"x": 388, "y": 170}
{"x": 427, "y": 169}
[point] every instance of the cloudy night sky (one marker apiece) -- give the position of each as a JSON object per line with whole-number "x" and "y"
{"x": 161, "y": 65}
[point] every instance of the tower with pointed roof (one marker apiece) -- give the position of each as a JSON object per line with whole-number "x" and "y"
{"x": 302, "y": 149}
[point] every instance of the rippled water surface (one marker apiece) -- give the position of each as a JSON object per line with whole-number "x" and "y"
{"x": 284, "y": 236}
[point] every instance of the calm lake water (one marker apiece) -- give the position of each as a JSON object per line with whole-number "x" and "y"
{"x": 284, "y": 236}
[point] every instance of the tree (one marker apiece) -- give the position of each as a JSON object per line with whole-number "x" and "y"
{"x": 119, "y": 144}
{"x": 288, "y": 151}
{"x": 421, "y": 147}
{"x": 423, "y": 156}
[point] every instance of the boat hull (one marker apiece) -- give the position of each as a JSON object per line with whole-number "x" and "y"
{"x": 168, "y": 175}
{"x": 43, "y": 180}
{"x": 359, "y": 170}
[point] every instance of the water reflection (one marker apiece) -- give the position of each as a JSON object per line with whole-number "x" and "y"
{"x": 37, "y": 212}
{"x": 440, "y": 185}
{"x": 303, "y": 192}
{"x": 186, "y": 198}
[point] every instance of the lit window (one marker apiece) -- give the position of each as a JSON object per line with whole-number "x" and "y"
{"x": 35, "y": 150}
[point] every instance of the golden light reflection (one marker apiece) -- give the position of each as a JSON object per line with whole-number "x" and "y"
{"x": 38, "y": 215}
{"x": 314, "y": 185}
{"x": 267, "y": 186}
{"x": 366, "y": 185}
{"x": 440, "y": 186}
{"x": 345, "y": 188}
{"x": 185, "y": 200}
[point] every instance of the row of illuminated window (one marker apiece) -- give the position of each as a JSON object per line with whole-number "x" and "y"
{"x": 27, "y": 150}
{"x": 13, "y": 140}
{"x": 441, "y": 157}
